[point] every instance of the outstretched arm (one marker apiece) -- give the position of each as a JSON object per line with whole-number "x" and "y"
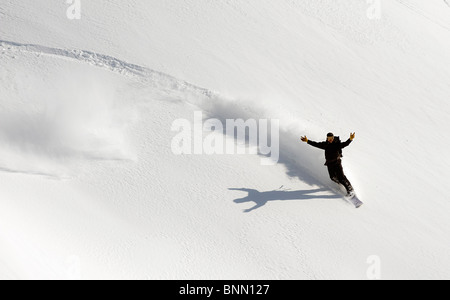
{"x": 314, "y": 144}
{"x": 349, "y": 141}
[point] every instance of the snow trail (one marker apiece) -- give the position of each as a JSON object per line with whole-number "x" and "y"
{"x": 300, "y": 164}
{"x": 110, "y": 63}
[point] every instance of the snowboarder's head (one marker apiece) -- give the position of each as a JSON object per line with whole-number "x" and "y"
{"x": 330, "y": 137}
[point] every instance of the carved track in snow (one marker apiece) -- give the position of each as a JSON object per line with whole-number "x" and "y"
{"x": 152, "y": 77}
{"x": 200, "y": 98}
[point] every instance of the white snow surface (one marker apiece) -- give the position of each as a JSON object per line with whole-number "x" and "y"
{"x": 90, "y": 187}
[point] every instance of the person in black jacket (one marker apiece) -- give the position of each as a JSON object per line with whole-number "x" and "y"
{"x": 333, "y": 155}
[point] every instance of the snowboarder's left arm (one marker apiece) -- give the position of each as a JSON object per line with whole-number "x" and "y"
{"x": 349, "y": 141}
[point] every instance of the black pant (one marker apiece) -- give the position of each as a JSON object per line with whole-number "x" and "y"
{"x": 337, "y": 175}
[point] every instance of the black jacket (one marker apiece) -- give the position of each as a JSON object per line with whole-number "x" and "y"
{"x": 333, "y": 151}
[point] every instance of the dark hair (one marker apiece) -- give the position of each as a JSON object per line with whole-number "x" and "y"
{"x": 330, "y": 135}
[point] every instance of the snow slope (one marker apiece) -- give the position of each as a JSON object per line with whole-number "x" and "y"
{"x": 90, "y": 186}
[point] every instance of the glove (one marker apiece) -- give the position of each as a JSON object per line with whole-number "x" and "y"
{"x": 304, "y": 139}
{"x": 352, "y": 136}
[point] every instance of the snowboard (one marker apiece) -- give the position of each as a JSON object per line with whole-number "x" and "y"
{"x": 354, "y": 200}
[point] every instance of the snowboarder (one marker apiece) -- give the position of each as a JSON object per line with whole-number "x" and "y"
{"x": 333, "y": 155}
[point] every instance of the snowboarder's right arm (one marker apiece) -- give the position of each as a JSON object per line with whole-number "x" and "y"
{"x": 314, "y": 144}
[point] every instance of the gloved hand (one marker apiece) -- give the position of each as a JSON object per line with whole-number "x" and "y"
{"x": 352, "y": 136}
{"x": 304, "y": 139}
